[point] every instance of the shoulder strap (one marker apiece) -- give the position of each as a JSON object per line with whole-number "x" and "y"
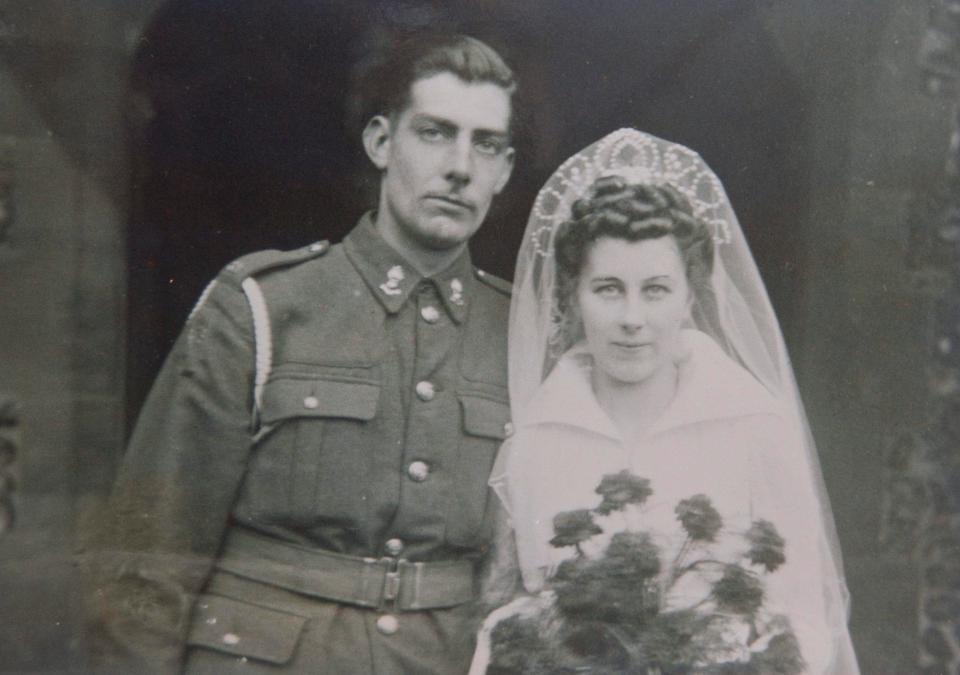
{"x": 244, "y": 270}
{"x": 494, "y": 282}
{"x": 263, "y": 341}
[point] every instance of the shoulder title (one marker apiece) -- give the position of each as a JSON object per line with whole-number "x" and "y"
{"x": 262, "y": 261}
{"x": 494, "y": 282}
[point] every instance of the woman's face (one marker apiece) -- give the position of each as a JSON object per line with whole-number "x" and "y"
{"x": 632, "y": 298}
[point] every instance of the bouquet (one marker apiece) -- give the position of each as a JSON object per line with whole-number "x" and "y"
{"x": 617, "y": 612}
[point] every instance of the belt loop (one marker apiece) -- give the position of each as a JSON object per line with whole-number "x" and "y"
{"x": 417, "y": 578}
{"x": 391, "y": 584}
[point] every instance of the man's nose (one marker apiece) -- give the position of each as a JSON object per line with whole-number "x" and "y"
{"x": 460, "y": 161}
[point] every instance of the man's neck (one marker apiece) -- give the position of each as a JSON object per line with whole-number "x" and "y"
{"x": 427, "y": 262}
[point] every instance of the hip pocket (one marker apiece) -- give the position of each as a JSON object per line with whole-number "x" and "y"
{"x": 244, "y": 630}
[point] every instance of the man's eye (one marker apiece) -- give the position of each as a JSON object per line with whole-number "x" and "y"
{"x": 430, "y": 133}
{"x": 490, "y": 147}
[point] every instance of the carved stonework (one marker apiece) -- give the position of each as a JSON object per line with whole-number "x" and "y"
{"x": 922, "y": 501}
{"x": 9, "y": 450}
{"x": 7, "y": 176}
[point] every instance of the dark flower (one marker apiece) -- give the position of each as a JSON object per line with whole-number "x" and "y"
{"x": 518, "y": 647}
{"x": 573, "y": 527}
{"x": 738, "y": 591}
{"x": 604, "y": 590}
{"x": 620, "y": 489}
{"x": 596, "y": 646}
{"x": 766, "y": 545}
{"x": 636, "y": 553}
{"x": 699, "y": 518}
{"x": 781, "y": 657}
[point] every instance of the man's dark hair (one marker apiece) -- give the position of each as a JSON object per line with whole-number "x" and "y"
{"x": 384, "y": 87}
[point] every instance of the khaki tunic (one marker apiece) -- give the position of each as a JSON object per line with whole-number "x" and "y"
{"x": 373, "y": 437}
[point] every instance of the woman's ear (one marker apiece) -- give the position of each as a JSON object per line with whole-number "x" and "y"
{"x": 376, "y": 140}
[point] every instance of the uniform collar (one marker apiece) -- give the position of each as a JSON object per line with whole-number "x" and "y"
{"x": 391, "y": 278}
{"x": 710, "y": 386}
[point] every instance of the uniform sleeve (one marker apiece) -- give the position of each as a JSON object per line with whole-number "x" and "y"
{"x": 782, "y": 493}
{"x": 174, "y": 490}
{"x": 500, "y": 573}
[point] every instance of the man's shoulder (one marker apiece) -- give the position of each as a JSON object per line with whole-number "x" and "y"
{"x": 502, "y": 286}
{"x": 261, "y": 262}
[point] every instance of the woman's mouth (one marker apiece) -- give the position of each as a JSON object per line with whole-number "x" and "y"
{"x": 630, "y": 346}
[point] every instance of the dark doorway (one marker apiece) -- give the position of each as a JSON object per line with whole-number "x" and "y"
{"x": 240, "y": 138}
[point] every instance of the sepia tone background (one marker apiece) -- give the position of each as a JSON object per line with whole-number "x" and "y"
{"x": 152, "y": 141}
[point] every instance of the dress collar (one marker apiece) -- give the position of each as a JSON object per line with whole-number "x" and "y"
{"x": 710, "y": 386}
{"x": 391, "y": 278}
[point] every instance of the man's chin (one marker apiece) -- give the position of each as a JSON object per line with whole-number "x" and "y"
{"x": 443, "y": 234}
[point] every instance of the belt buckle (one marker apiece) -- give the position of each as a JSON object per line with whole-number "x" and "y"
{"x": 391, "y": 583}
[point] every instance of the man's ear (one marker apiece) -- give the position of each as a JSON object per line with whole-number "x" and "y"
{"x": 508, "y": 157}
{"x": 376, "y": 140}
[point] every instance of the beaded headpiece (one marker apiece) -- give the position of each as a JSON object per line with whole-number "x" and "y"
{"x": 637, "y": 158}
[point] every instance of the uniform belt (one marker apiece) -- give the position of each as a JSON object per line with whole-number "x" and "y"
{"x": 385, "y": 583}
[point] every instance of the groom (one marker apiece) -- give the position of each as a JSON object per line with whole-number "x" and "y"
{"x": 306, "y": 488}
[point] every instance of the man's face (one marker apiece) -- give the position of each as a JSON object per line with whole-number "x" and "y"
{"x": 443, "y": 158}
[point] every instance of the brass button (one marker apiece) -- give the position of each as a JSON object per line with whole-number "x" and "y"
{"x": 317, "y": 247}
{"x": 418, "y": 471}
{"x": 393, "y": 547}
{"x": 508, "y": 429}
{"x": 311, "y": 402}
{"x": 388, "y": 624}
{"x": 231, "y": 639}
{"x": 425, "y": 391}
{"x": 430, "y": 314}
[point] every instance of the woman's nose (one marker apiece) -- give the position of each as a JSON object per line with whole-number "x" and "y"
{"x": 634, "y": 314}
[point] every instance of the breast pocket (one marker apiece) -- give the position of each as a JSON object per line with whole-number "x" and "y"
{"x": 305, "y": 458}
{"x": 484, "y": 421}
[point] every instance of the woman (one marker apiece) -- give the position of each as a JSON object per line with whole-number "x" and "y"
{"x": 643, "y": 348}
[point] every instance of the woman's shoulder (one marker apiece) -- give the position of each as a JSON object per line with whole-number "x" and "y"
{"x": 711, "y": 385}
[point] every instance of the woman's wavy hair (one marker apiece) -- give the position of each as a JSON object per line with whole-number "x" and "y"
{"x": 615, "y": 208}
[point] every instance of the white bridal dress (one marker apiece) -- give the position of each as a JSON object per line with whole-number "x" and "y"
{"x": 735, "y": 430}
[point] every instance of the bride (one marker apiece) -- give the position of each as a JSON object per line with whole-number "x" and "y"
{"x": 643, "y": 348}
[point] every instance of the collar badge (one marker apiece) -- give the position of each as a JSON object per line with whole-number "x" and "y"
{"x": 456, "y": 291}
{"x": 392, "y": 285}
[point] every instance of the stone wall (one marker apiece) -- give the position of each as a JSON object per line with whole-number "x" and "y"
{"x": 62, "y": 284}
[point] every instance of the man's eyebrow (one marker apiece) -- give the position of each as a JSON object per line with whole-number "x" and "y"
{"x": 447, "y": 125}
{"x": 444, "y": 124}
{"x": 492, "y": 134}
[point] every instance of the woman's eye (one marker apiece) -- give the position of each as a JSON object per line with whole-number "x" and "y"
{"x": 609, "y": 290}
{"x": 656, "y": 290}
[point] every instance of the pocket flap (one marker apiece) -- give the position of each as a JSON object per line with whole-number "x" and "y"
{"x": 239, "y": 628}
{"x": 485, "y": 417}
{"x": 296, "y": 397}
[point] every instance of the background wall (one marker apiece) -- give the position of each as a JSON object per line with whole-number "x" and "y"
{"x": 154, "y": 141}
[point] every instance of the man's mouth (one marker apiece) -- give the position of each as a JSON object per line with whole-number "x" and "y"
{"x": 450, "y": 200}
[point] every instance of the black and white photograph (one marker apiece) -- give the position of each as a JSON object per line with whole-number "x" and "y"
{"x": 405, "y": 337}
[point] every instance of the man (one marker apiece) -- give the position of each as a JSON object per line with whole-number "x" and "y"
{"x": 306, "y": 488}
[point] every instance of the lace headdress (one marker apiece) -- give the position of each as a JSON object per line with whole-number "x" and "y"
{"x": 737, "y": 315}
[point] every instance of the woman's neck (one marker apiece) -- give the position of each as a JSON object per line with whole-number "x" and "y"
{"x": 635, "y": 406}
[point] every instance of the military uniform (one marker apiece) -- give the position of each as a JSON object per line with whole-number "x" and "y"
{"x": 306, "y": 488}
